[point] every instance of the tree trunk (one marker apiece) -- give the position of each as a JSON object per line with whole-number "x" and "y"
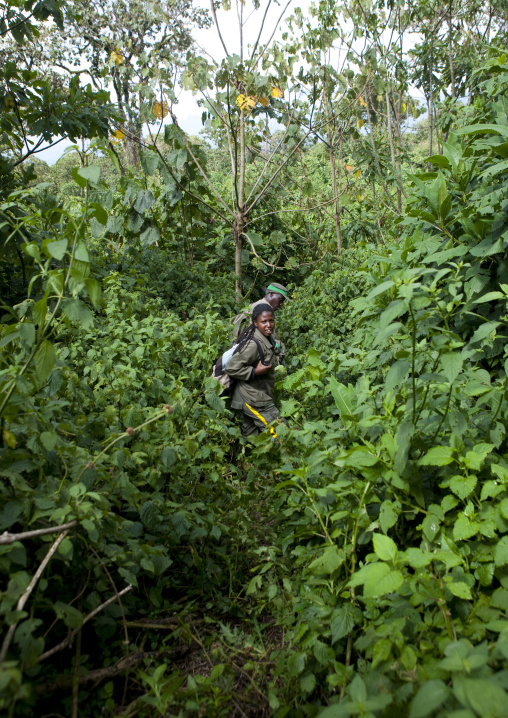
{"x": 240, "y": 216}
{"x": 238, "y": 237}
{"x": 430, "y": 103}
{"x": 333, "y": 173}
{"x": 392, "y": 147}
{"x": 374, "y": 150}
{"x": 450, "y": 51}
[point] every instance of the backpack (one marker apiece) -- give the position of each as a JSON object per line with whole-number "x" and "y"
{"x": 240, "y": 322}
{"x": 219, "y": 368}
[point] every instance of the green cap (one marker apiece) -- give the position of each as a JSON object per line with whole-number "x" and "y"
{"x": 278, "y": 289}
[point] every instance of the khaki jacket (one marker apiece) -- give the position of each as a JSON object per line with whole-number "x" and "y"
{"x": 281, "y": 346}
{"x": 254, "y": 390}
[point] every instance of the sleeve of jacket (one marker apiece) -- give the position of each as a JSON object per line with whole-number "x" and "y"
{"x": 241, "y": 365}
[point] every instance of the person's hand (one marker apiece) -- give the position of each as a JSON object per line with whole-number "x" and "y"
{"x": 261, "y": 368}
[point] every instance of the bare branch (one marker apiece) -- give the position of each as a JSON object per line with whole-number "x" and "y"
{"x": 24, "y": 598}
{"x": 260, "y": 30}
{"x": 7, "y": 538}
{"x": 299, "y": 209}
{"x": 271, "y": 36}
{"x": 68, "y": 641}
{"x": 212, "y": 5}
{"x": 196, "y": 162}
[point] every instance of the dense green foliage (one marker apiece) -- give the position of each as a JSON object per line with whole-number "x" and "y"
{"x": 356, "y": 563}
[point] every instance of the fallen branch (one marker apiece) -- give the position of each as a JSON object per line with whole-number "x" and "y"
{"x": 124, "y": 664}
{"x": 24, "y": 598}
{"x": 7, "y": 538}
{"x": 68, "y": 641}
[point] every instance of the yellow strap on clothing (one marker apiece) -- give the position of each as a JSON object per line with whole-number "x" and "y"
{"x": 256, "y": 413}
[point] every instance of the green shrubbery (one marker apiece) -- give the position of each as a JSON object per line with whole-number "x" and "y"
{"x": 355, "y": 565}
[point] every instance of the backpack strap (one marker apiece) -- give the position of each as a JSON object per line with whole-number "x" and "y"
{"x": 261, "y": 352}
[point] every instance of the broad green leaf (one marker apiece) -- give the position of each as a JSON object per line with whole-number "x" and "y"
{"x": 501, "y": 552}
{"x": 430, "y": 696}
{"x": 418, "y": 558}
{"x": 340, "y": 396}
{"x": 90, "y": 174}
{"x": 331, "y": 559}
{"x": 9, "y": 438}
{"x": 358, "y": 689}
{"x": 389, "y": 514}
{"x": 474, "y": 459}
{"x": 430, "y": 526}
{"x": 448, "y": 503}
{"x": 150, "y": 235}
{"x": 383, "y": 335}
{"x": 344, "y": 620}
{"x": 464, "y": 528}
{"x": 483, "y": 331}
{"x": 392, "y": 311}
{"x": 98, "y": 211}
{"x": 485, "y": 696}
{"x": 148, "y": 515}
{"x": 439, "y": 160}
{"x": 296, "y": 663}
{"x": 27, "y": 333}
{"x": 149, "y": 162}
{"x": 451, "y": 365}
{"x": 382, "y": 651}
{"x": 396, "y": 375}
{"x": 81, "y": 252}
{"x": 81, "y": 181}
{"x": 481, "y": 129}
{"x": 490, "y": 297}
{"x": 359, "y": 456}
{"x": 380, "y": 289}
{"x": 10, "y": 336}
{"x": 377, "y": 579}
{"x": 384, "y": 547}
{"x": 9, "y": 514}
{"x": 75, "y": 310}
{"x": 449, "y": 558}
{"x": 39, "y": 312}
{"x": 437, "y": 456}
{"x": 503, "y": 508}
{"x": 57, "y": 249}
{"x": 94, "y": 290}
{"x": 45, "y": 358}
{"x": 49, "y": 439}
{"x": 144, "y": 200}
{"x": 460, "y": 589}
{"x": 70, "y": 615}
{"x": 462, "y": 486}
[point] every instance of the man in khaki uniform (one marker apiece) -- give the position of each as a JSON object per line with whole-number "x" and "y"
{"x": 275, "y": 295}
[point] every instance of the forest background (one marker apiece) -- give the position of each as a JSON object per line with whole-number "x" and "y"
{"x": 356, "y": 563}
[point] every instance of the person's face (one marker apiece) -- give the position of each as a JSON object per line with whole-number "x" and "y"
{"x": 265, "y": 323}
{"x": 276, "y": 301}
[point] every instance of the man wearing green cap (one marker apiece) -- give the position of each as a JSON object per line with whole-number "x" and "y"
{"x": 275, "y": 295}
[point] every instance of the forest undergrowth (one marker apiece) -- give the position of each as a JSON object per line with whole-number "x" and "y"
{"x": 356, "y": 564}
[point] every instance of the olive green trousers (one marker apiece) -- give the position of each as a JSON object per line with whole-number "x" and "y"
{"x": 252, "y": 424}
